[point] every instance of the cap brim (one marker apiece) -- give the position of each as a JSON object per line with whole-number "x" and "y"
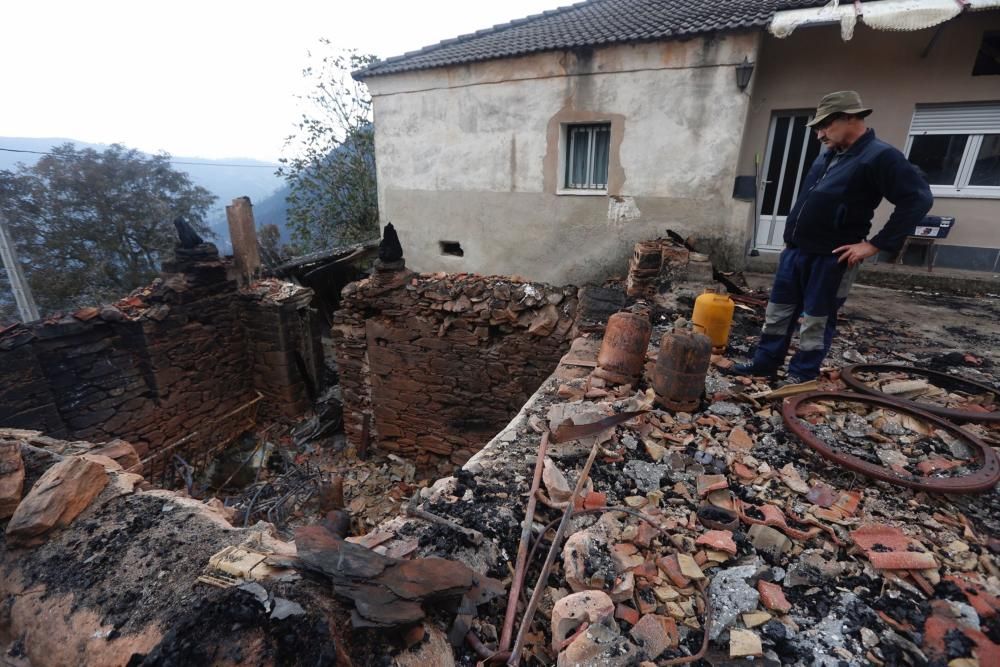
{"x": 864, "y": 113}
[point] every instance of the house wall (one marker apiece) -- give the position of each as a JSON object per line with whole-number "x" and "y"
{"x": 472, "y": 154}
{"x": 888, "y": 69}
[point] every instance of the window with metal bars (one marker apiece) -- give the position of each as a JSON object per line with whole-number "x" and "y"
{"x": 587, "y": 150}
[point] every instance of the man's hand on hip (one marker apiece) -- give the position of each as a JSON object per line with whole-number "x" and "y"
{"x": 855, "y": 253}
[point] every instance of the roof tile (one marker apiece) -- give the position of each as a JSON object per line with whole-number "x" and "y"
{"x": 588, "y": 24}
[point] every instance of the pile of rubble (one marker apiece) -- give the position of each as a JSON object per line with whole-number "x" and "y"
{"x": 721, "y": 521}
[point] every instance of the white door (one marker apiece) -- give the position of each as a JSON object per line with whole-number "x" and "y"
{"x": 791, "y": 149}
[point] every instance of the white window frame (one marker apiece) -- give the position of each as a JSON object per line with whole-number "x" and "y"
{"x": 564, "y": 149}
{"x": 961, "y": 187}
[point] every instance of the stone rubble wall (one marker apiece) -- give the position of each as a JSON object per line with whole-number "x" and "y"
{"x": 283, "y": 343}
{"x": 171, "y": 363}
{"x": 439, "y": 363}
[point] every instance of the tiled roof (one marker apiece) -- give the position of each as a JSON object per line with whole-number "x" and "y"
{"x": 591, "y": 23}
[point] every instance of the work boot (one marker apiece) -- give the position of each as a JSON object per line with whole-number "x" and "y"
{"x": 750, "y": 370}
{"x": 790, "y": 380}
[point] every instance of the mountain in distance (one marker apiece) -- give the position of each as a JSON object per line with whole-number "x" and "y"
{"x": 266, "y": 190}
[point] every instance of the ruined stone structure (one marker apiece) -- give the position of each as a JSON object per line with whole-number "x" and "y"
{"x": 437, "y": 364}
{"x": 170, "y": 364}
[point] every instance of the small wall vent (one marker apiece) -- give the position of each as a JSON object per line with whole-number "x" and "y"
{"x": 453, "y": 248}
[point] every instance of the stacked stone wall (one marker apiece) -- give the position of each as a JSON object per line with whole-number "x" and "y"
{"x": 438, "y": 364}
{"x": 167, "y": 367}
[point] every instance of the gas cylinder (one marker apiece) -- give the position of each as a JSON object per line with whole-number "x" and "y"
{"x": 681, "y": 366}
{"x": 623, "y": 350}
{"x": 713, "y": 314}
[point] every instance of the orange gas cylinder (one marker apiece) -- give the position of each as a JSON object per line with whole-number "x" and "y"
{"x": 713, "y": 315}
{"x": 681, "y": 366}
{"x": 623, "y": 350}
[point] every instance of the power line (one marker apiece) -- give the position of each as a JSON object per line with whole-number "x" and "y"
{"x": 193, "y": 164}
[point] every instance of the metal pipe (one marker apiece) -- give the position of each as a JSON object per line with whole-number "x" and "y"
{"x": 520, "y": 565}
{"x": 536, "y": 595}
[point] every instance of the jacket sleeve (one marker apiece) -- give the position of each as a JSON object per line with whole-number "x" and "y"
{"x": 900, "y": 183}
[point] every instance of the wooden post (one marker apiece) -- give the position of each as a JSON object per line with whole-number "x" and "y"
{"x": 22, "y": 291}
{"x": 244, "y": 237}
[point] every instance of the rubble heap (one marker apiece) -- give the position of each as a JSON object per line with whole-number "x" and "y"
{"x": 98, "y": 568}
{"x": 719, "y": 522}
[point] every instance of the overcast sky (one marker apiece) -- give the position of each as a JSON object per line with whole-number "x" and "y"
{"x": 212, "y": 78}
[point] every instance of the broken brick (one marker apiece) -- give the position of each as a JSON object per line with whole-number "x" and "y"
{"x": 709, "y": 483}
{"x": 672, "y": 569}
{"x": 773, "y": 597}
{"x": 656, "y": 634}
{"x": 626, "y": 613}
{"x": 720, "y": 540}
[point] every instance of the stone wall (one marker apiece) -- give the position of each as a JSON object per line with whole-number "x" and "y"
{"x": 168, "y": 366}
{"x": 286, "y": 355}
{"x": 437, "y": 363}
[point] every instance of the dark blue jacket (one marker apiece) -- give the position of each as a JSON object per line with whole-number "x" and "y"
{"x": 837, "y": 209}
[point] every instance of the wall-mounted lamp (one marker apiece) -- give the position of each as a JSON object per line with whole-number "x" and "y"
{"x": 743, "y": 73}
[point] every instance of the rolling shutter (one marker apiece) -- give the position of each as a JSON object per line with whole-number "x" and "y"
{"x": 956, "y": 119}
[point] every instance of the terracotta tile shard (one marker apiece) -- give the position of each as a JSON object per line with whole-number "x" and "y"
{"x": 848, "y": 502}
{"x": 689, "y": 568}
{"x": 656, "y": 634}
{"x": 739, "y": 439}
{"x": 942, "y": 623}
{"x": 889, "y": 549}
{"x": 744, "y": 472}
{"x": 773, "y": 597}
{"x": 931, "y": 466}
{"x": 902, "y": 560}
{"x": 645, "y": 534}
{"x": 709, "y": 483}
{"x": 647, "y": 570}
{"x": 822, "y": 495}
{"x": 720, "y": 540}
{"x": 592, "y": 500}
{"x": 627, "y": 613}
{"x": 790, "y": 476}
{"x": 672, "y": 569}
{"x": 986, "y": 605}
{"x": 85, "y": 314}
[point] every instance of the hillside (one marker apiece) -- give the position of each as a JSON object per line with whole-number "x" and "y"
{"x": 258, "y": 182}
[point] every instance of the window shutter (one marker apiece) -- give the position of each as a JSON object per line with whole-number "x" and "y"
{"x": 956, "y": 119}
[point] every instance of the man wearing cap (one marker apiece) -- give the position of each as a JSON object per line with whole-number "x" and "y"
{"x": 826, "y": 235}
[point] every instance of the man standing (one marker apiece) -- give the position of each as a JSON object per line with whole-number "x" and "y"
{"x": 826, "y": 231}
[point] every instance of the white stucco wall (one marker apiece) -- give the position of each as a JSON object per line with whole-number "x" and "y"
{"x": 471, "y": 154}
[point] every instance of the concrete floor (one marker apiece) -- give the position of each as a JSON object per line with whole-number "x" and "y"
{"x": 928, "y": 323}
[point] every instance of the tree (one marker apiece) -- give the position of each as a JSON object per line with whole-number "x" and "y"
{"x": 269, "y": 241}
{"x": 333, "y": 197}
{"x": 92, "y": 226}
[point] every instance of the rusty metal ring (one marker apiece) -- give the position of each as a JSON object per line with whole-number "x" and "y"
{"x": 982, "y": 479}
{"x": 847, "y": 375}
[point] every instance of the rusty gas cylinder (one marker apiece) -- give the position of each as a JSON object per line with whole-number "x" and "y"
{"x": 679, "y": 376}
{"x": 623, "y": 350}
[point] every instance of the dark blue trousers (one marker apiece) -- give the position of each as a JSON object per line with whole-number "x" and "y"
{"x": 811, "y": 286}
